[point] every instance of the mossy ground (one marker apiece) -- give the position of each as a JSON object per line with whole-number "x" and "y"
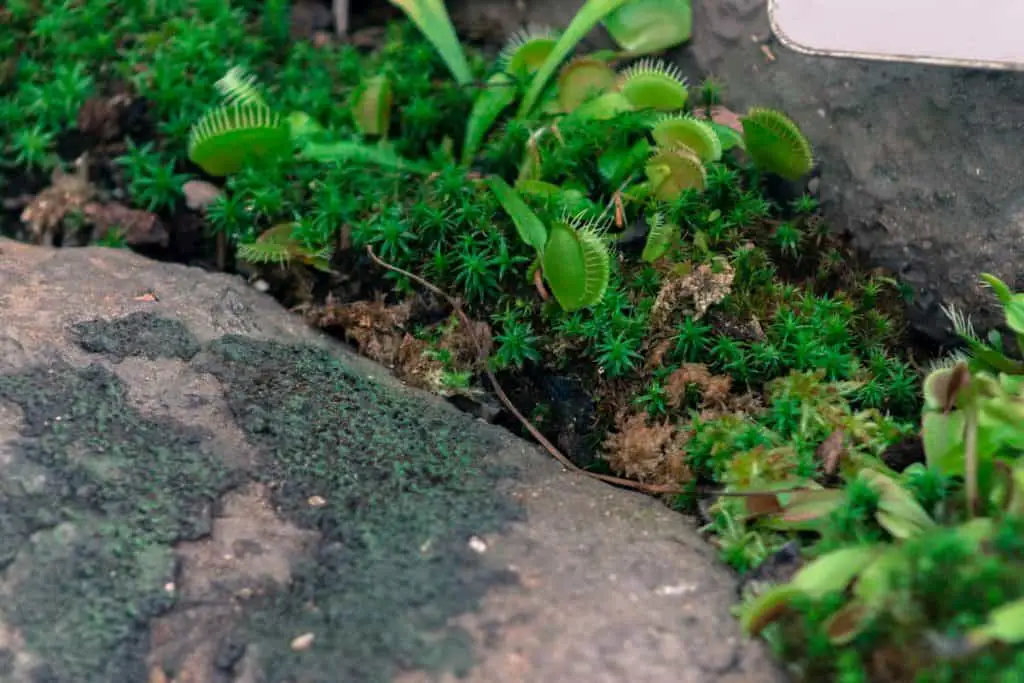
{"x": 89, "y": 551}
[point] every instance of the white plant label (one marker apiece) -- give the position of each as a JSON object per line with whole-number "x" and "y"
{"x": 967, "y": 33}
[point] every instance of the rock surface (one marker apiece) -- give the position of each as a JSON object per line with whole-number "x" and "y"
{"x": 194, "y": 487}
{"x": 920, "y": 165}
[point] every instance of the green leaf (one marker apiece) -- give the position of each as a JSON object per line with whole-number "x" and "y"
{"x": 586, "y": 18}
{"x": 767, "y": 608}
{"x": 727, "y": 136}
{"x": 834, "y": 571}
{"x": 576, "y": 266}
{"x": 431, "y": 18}
{"x": 531, "y": 229}
{"x": 899, "y": 513}
{"x": 646, "y": 26}
{"x": 603, "y": 107}
{"x": 874, "y": 584}
{"x": 776, "y": 144}
{"x": 303, "y": 127}
{"x": 499, "y": 93}
{"x": 372, "y": 110}
{"x": 582, "y": 80}
{"x": 848, "y": 622}
{"x": 1005, "y": 624}
{"x": 674, "y": 171}
{"x": 689, "y": 132}
{"x": 617, "y": 163}
{"x": 360, "y": 153}
{"x": 942, "y": 436}
{"x": 1001, "y": 289}
{"x": 661, "y": 236}
{"x": 807, "y": 509}
{"x": 994, "y": 359}
{"x": 540, "y": 188}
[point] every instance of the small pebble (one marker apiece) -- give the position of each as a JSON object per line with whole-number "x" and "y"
{"x": 317, "y": 501}
{"x": 301, "y": 643}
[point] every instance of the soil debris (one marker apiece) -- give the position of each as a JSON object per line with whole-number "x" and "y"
{"x": 723, "y": 116}
{"x": 67, "y": 194}
{"x": 303, "y": 642}
{"x": 309, "y": 19}
{"x": 692, "y": 294}
{"x": 71, "y": 202}
{"x": 715, "y": 389}
{"x": 381, "y": 333}
{"x": 101, "y": 117}
{"x": 199, "y": 194}
{"x": 649, "y": 453}
{"x": 138, "y": 227}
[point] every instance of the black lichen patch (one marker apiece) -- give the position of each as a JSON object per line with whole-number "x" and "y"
{"x": 142, "y": 334}
{"x": 94, "y": 531}
{"x": 405, "y": 491}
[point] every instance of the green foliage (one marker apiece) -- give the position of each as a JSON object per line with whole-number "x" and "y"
{"x": 882, "y": 573}
{"x": 431, "y": 17}
{"x": 152, "y": 179}
{"x": 645, "y": 26}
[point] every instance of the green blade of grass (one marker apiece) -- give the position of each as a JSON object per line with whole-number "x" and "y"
{"x": 361, "y": 153}
{"x": 585, "y": 20}
{"x": 432, "y": 19}
{"x": 499, "y": 93}
{"x": 531, "y": 229}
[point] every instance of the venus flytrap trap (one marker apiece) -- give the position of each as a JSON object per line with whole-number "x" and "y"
{"x": 572, "y": 256}
{"x": 646, "y": 26}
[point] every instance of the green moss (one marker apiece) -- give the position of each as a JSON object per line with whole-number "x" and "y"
{"x": 404, "y": 494}
{"x": 138, "y": 334}
{"x": 105, "y": 494}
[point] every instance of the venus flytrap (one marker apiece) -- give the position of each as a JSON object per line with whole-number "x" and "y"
{"x": 571, "y": 254}
{"x": 646, "y": 26}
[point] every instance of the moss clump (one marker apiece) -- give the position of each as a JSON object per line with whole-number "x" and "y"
{"x": 93, "y": 540}
{"x": 138, "y": 334}
{"x": 404, "y": 494}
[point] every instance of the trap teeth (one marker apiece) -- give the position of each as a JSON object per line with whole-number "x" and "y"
{"x": 653, "y": 84}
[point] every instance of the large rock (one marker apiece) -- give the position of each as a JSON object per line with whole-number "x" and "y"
{"x": 920, "y": 165}
{"x": 196, "y": 487}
